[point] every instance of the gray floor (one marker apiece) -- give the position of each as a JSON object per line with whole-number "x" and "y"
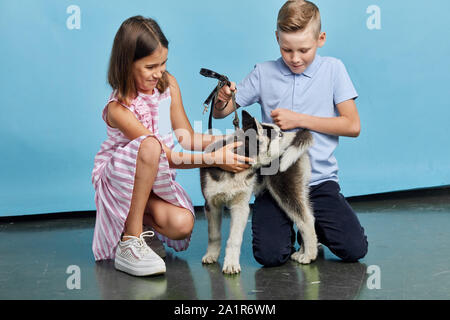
{"x": 409, "y": 258}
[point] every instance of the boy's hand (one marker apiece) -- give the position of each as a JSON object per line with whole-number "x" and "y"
{"x": 225, "y": 92}
{"x": 285, "y": 119}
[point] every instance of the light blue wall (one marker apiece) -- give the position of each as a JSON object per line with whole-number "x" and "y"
{"x": 53, "y": 88}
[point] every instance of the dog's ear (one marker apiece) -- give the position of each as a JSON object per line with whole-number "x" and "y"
{"x": 258, "y": 127}
{"x": 270, "y": 131}
{"x": 248, "y": 122}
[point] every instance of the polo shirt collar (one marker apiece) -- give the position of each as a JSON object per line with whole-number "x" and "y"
{"x": 283, "y": 67}
{"x": 309, "y": 72}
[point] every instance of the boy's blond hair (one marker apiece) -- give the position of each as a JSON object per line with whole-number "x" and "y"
{"x": 298, "y": 15}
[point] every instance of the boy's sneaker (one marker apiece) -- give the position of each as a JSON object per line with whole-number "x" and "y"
{"x": 134, "y": 256}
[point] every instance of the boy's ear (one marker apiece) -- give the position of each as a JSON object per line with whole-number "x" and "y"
{"x": 322, "y": 39}
{"x": 277, "y": 36}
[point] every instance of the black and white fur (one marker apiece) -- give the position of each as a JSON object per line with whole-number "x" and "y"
{"x": 288, "y": 186}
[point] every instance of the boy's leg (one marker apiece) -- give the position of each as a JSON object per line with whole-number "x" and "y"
{"x": 337, "y": 225}
{"x": 272, "y": 230}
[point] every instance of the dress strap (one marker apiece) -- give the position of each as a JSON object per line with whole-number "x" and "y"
{"x": 113, "y": 97}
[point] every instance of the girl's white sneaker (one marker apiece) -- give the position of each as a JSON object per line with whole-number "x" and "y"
{"x": 135, "y": 257}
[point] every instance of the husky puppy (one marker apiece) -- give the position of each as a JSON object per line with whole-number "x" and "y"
{"x": 282, "y": 168}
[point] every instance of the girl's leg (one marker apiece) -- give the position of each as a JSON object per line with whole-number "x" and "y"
{"x": 172, "y": 221}
{"x": 146, "y": 170}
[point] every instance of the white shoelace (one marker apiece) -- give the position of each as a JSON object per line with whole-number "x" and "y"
{"x": 140, "y": 243}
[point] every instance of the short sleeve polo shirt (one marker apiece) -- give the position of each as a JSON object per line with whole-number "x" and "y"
{"x": 317, "y": 91}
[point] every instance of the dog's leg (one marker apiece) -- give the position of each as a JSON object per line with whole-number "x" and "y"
{"x": 239, "y": 210}
{"x": 297, "y": 207}
{"x": 214, "y": 216}
{"x": 305, "y": 224}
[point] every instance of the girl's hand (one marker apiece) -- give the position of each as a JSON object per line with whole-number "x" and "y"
{"x": 225, "y": 92}
{"x": 226, "y": 159}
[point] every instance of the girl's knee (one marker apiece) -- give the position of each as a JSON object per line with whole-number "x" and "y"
{"x": 149, "y": 151}
{"x": 182, "y": 224}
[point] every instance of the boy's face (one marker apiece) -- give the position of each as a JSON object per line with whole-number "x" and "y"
{"x": 298, "y": 49}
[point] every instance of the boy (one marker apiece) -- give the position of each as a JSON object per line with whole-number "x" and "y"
{"x": 303, "y": 90}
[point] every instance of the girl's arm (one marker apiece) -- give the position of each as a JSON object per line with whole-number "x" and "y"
{"x": 123, "y": 119}
{"x": 186, "y": 136}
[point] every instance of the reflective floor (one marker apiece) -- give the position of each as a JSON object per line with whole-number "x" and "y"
{"x": 408, "y": 258}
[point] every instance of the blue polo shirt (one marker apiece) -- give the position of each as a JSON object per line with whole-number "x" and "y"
{"x": 317, "y": 91}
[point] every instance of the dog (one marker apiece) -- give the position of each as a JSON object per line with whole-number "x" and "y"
{"x": 282, "y": 168}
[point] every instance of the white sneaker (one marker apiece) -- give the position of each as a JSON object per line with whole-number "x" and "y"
{"x": 154, "y": 243}
{"x": 133, "y": 256}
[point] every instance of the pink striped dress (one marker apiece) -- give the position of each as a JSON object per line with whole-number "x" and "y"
{"x": 114, "y": 172}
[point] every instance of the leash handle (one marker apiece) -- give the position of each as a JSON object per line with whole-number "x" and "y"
{"x": 212, "y": 98}
{"x": 233, "y": 99}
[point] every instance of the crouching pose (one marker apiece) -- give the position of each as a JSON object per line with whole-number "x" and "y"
{"x": 136, "y": 194}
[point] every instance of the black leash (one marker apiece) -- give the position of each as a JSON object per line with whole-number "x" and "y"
{"x": 223, "y": 80}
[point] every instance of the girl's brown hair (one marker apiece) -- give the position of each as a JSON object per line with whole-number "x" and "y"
{"x": 136, "y": 38}
{"x": 297, "y": 15}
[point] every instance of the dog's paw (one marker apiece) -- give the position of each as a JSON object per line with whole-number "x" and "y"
{"x": 209, "y": 258}
{"x": 303, "y": 258}
{"x": 231, "y": 268}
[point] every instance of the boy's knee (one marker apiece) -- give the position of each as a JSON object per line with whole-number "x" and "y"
{"x": 271, "y": 256}
{"x": 150, "y": 151}
{"x": 352, "y": 252}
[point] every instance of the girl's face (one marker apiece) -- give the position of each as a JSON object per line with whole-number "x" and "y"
{"x": 298, "y": 49}
{"x": 148, "y": 70}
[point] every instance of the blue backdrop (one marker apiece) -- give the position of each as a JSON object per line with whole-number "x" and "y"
{"x": 53, "y": 87}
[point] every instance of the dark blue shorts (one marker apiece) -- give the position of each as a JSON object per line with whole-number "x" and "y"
{"x": 336, "y": 224}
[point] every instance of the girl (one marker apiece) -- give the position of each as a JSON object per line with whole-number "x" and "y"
{"x": 134, "y": 171}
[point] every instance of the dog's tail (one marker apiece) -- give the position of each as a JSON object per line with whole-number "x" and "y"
{"x": 299, "y": 145}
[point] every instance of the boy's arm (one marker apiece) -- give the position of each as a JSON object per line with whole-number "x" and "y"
{"x": 346, "y": 124}
{"x": 248, "y": 94}
{"x": 224, "y": 105}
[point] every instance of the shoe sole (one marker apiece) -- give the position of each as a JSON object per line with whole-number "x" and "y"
{"x": 138, "y": 271}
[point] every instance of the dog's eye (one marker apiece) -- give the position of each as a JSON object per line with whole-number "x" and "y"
{"x": 280, "y": 134}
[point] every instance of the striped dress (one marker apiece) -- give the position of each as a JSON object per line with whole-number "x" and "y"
{"x": 114, "y": 172}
